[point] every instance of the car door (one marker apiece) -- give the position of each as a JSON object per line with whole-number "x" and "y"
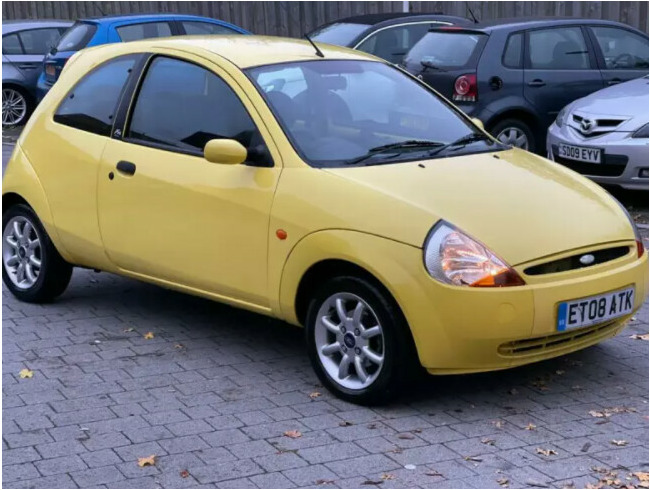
{"x": 622, "y": 53}
{"x": 34, "y": 43}
{"x": 559, "y": 68}
{"x": 167, "y": 213}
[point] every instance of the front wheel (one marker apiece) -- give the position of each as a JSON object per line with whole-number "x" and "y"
{"x": 358, "y": 341}
{"x": 32, "y": 268}
{"x": 514, "y": 132}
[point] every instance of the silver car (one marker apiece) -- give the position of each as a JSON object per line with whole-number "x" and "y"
{"x": 604, "y": 136}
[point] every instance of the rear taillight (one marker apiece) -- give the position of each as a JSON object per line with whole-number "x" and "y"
{"x": 465, "y": 89}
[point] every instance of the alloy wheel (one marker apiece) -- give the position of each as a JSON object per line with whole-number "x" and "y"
{"x": 513, "y": 137}
{"x": 14, "y": 107}
{"x": 349, "y": 341}
{"x": 21, "y": 252}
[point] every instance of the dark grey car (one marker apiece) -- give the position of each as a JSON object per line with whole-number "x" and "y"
{"x": 24, "y": 43}
{"x": 516, "y": 75}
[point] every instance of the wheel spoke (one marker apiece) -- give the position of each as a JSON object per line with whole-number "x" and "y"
{"x": 11, "y": 241}
{"x": 372, "y": 356}
{"x": 340, "y": 310}
{"x": 35, "y": 262}
{"x": 13, "y": 260}
{"x": 29, "y": 272}
{"x": 20, "y": 273}
{"x": 27, "y": 229}
{"x": 330, "y": 349}
{"x": 329, "y": 324}
{"x": 344, "y": 367}
{"x": 17, "y": 232}
{"x": 371, "y": 332}
{"x": 361, "y": 371}
{"x": 521, "y": 141}
{"x": 356, "y": 316}
{"x": 33, "y": 244}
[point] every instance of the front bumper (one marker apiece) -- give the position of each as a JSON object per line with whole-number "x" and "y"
{"x": 485, "y": 329}
{"x": 625, "y": 158}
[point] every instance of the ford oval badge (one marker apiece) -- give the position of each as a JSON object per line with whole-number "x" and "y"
{"x": 587, "y": 259}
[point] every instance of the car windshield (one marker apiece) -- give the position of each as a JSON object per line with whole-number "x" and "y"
{"x": 339, "y": 33}
{"x": 349, "y": 112}
{"x": 76, "y": 37}
{"x": 441, "y": 49}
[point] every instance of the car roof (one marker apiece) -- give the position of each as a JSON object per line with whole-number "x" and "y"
{"x": 131, "y": 18}
{"x": 9, "y": 26}
{"x": 531, "y": 23}
{"x": 390, "y": 18}
{"x": 242, "y": 51}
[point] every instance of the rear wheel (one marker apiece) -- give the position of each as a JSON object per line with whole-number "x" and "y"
{"x": 32, "y": 268}
{"x": 514, "y": 132}
{"x": 358, "y": 341}
{"x": 16, "y": 106}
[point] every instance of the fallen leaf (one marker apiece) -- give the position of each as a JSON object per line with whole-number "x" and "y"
{"x": 372, "y": 426}
{"x": 434, "y": 473}
{"x": 503, "y": 481}
{"x": 569, "y": 485}
{"x": 498, "y": 423}
{"x": 373, "y": 482}
{"x": 597, "y": 414}
{"x": 641, "y": 476}
{"x": 179, "y": 346}
{"x": 405, "y": 436}
{"x": 293, "y": 434}
{"x": 149, "y": 335}
{"x": 409, "y": 466}
{"x": 148, "y": 461}
{"x": 416, "y": 431}
{"x": 184, "y": 474}
{"x": 597, "y": 485}
{"x": 546, "y": 452}
{"x": 314, "y": 395}
{"x": 598, "y": 469}
{"x": 345, "y": 423}
{"x": 619, "y": 442}
{"x": 387, "y": 476}
{"x": 130, "y": 329}
{"x": 489, "y": 442}
{"x": 530, "y": 426}
{"x": 323, "y": 481}
{"x": 640, "y": 337}
{"x": 472, "y": 458}
{"x": 585, "y": 447}
{"x": 26, "y": 373}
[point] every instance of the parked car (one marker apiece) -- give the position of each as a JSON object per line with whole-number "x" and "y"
{"x": 114, "y": 29}
{"x": 388, "y": 35}
{"x": 605, "y": 135}
{"x": 24, "y": 43}
{"x": 260, "y": 174}
{"x": 516, "y": 75}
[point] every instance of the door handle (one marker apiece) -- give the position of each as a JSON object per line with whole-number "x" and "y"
{"x": 614, "y": 81}
{"x": 126, "y": 168}
{"x": 536, "y": 83}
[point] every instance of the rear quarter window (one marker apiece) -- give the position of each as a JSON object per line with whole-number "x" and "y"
{"x": 77, "y": 37}
{"x": 450, "y": 50}
{"x": 513, "y": 51}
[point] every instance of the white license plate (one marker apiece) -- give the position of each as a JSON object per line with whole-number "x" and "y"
{"x": 595, "y": 309}
{"x": 580, "y": 153}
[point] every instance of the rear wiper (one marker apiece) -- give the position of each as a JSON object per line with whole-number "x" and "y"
{"x": 402, "y": 145}
{"x": 465, "y": 140}
{"x": 428, "y": 64}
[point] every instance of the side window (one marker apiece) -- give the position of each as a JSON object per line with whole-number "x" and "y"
{"x": 194, "y": 28}
{"x": 512, "y": 53}
{"x": 91, "y": 104}
{"x": 622, "y": 50}
{"x": 11, "y": 44}
{"x": 183, "y": 106}
{"x": 135, "y": 32}
{"x": 393, "y": 43}
{"x": 39, "y": 41}
{"x": 561, "y": 48}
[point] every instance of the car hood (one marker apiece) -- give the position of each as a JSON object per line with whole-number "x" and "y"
{"x": 522, "y": 206}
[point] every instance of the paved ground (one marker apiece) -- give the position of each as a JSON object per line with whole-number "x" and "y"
{"x": 213, "y": 393}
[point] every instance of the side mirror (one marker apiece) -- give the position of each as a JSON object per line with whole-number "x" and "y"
{"x": 478, "y": 123}
{"x": 225, "y": 151}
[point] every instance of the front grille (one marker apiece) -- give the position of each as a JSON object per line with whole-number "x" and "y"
{"x": 612, "y": 165}
{"x": 598, "y": 127}
{"x": 559, "y": 341}
{"x": 573, "y": 262}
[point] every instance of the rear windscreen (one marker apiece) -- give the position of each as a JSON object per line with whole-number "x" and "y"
{"x": 339, "y": 33}
{"x": 76, "y": 37}
{"x": 447, "y": 50}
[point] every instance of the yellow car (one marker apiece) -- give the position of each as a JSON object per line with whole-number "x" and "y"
{"x": 324, "y": 187}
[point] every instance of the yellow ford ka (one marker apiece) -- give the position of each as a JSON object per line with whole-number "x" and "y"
{"x": 323, "y": 187}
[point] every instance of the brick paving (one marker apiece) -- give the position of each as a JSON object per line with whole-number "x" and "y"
{"x": 216, "y": 388}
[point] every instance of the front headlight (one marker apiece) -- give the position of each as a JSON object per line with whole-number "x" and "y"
{"x": 642, "y": 132}
{"x": 640, "y": 249}
{"x": 560, "y": 118}
{"x": 453, "y": 257}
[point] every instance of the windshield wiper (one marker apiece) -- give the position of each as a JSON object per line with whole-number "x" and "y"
{"x": 428, "y": 64}
{"x": 402, "y": 145}
{"x": 460, "y": 142}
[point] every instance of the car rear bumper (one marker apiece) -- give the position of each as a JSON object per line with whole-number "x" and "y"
{"x": 42, "y": 87}
{"x": 625, "y": 159}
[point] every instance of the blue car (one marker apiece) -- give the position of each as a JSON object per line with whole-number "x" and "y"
{"x": 104, "y": 30}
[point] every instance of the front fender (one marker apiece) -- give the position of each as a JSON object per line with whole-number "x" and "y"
{"x": 21, "y": 179}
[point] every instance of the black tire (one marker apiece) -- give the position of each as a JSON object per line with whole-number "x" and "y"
{"x": 519, "y": 125}
{"x": 30, "y": 105}
{"x": 54, "y": 272}
{"x": 400, "y": 366}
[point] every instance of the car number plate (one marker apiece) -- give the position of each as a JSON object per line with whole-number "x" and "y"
{"x": 580, "y": 153}
{"x": 50, "y": 70}
{"x": 594, "y": 309}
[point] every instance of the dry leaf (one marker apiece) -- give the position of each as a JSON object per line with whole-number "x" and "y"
{"x": 546, "y": 452}
{"x": 184, "y": 474}
{"x": 489, "y": 442}
{"x": 179, "y": 346}
{"x": 405, "y": 436}
{"x": 619, "y": 442}
{"x": 599, "y": 469}
{"x": 149, "y": 335}
{"x": 149, "y": 461}
{"x": 130, "y": 329}
{"x": 530, "y": 426}
{"x": 314, "y": 395}
{"x": 641, "y": 476}
{"x": 345, "y": 423}
{"x": 26, "y": 373}
{"x": 597, "y": 414}
{"x": 498, "y": 424}
{"x": 323, "y": 481}
{"x": 434, "y": 473}
{"x": 503, "y": 481}
{"x": 416, "y": 431}
{"x": 294, "y": 434}
{"x": 472, "y": 458}
{"x": 387, "y": 476}
{"x": 640, "y": 337}
{"x": 373, "y": 482}
{"x": 597, "y": 485}
{"x": 372, "y": 426}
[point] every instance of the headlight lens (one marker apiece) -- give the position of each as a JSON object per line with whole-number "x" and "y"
{"x": 453, "y": 257}
{"x": 559, "y": 120}
{"x": 642, "y": 132}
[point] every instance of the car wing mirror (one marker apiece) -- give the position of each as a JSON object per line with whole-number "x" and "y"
{"x": 225, "y": 151}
